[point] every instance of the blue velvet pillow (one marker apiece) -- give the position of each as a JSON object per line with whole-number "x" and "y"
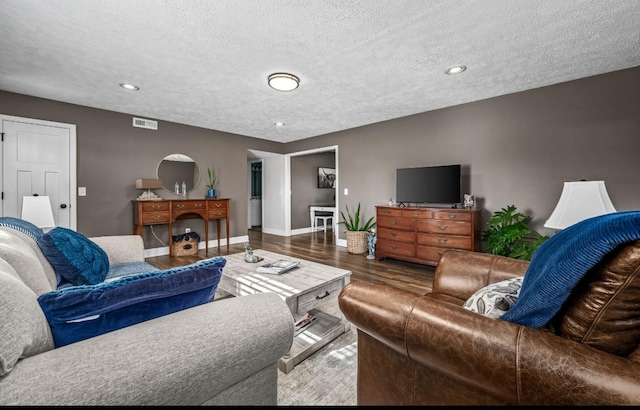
{"x": 75, "y": 257}
{"x": 80, "y": 312}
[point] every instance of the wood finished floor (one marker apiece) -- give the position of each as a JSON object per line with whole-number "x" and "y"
{"x": 320, "y": 247}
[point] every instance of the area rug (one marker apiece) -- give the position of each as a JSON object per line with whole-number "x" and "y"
{"x": 326, "y": 378}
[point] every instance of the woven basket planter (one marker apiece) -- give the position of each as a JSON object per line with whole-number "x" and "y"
{"x": 357, "y": 241}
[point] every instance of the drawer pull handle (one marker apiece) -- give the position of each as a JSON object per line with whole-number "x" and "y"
{"x": 387, "y": 213}
{"x": 198, "y": 205}
{"x": 155, "y": 218}
{"x": 442, "y": 240}
{"x": 155, "y": 206}
{"x": 452, "y": 216}
{"x": 218, "y": 204}
{"x": 394, "y": 234}
{"x": 416, "y": 213}
{"x": 179, "y": 206}
{"x": 442, "y": 227}
{"x": 326, "y": 293}
{"x": 394, "y": 223}
{"x": 394, "y": 247}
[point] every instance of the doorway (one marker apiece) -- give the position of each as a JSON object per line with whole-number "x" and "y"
{"x": 39, "y": 158}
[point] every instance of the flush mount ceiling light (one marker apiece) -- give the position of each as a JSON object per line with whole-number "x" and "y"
{"x": 456, "y": 69}
{"x": 279, "y": 124}
{"x": 283, "y": 81}
{"x": 129, "y": 87}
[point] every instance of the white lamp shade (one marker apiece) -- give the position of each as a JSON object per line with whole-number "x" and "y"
{"x": 38, "y": 211}
{"x": 580, "y": 200}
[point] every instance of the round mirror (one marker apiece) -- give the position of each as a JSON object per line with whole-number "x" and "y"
{"x": 178, "y": 168}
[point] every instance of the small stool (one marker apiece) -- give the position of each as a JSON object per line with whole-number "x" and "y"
{"x": 325, "y": 221}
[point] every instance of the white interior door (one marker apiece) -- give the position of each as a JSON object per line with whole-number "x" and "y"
{"x": 38, "y": 157}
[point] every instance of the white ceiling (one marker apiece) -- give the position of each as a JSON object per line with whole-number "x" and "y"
{"x": 205, "y": 63}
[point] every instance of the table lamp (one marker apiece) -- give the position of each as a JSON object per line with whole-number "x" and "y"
{"x": 37, "y": 210}
{"x": 580, "y": 200}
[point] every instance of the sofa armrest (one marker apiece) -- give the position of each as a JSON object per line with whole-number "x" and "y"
{"x": 121, "y": 248}
{"x": 450, "y": 355}
{"x": 460, "y": 274}
{"x": 185, "y": 358}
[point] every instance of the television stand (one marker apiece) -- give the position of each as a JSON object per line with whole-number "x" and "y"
{"x": 421, "y": 234}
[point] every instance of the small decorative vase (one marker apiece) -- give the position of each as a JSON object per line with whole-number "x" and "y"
{"x": 211, "y": 193}
{"x": 371, "y": 245}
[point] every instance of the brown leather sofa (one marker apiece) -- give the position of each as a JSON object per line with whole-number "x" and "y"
{"x": 428, "y": 350}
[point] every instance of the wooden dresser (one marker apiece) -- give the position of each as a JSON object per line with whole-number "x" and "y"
{"x": 165, "y": 212}
{"x": 421, "y": 235}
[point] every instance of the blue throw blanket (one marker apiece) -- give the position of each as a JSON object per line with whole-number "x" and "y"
{"x": 560, "y": 262}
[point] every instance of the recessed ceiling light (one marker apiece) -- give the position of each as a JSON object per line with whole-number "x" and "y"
{"x": 283, "y": 81}
{"x": 129, "y": 87}
{"x": 456, "y": 69}
{"x": 279, "y": 124}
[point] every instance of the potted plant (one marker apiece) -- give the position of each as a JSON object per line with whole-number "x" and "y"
{"x": 509, "y": 234}
{"x": 211, "y": 186}
{"x": 357, "y": 230}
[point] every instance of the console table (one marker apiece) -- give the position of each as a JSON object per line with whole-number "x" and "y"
{"x": 321, "y": 208}
{"x": 167, "y": 211}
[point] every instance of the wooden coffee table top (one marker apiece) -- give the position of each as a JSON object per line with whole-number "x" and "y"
{"x": 240, "y": 277}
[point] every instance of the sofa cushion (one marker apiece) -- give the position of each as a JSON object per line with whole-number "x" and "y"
{"x": 24, "y": 330}
{"x": 603, "y": 309}
{"x": 496, "y": 299}
{"x": 23, "y": 226}
{"x": 80, "y": 312}
{"x": 74, "y": 256}
{"x": 562, "y": 260}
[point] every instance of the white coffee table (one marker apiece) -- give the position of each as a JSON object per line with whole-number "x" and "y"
{"x": 305, "y": 289}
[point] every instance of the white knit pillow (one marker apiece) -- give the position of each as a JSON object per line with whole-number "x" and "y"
{"x": 496, "y": 299}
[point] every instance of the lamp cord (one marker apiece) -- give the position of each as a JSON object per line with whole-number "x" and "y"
{"x": 156, "y": 236}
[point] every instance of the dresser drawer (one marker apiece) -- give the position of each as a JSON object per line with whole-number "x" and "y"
{"x": 217, "y": 213}
{"x": 417, "y": 213}
{"x": 151, "y": 218}
{"x": 395, "y": 223}
{"x": 217, "y": 205}
{"x": 442, "y": 226}
{"x": 155, "y": 206}
{"x": 189, "y": 205}
{"x": 319, "y": 296}
{"x": 388, "y": 212}
{"x": 398, "y": 248}
{"x": 445, "y": 241}
{"x": 430, "y": 253}
{"x": 396, "y": 235}
{"x": 452, "y": 216}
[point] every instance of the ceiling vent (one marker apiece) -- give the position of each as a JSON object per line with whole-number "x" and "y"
{"x": 142, "y": 123}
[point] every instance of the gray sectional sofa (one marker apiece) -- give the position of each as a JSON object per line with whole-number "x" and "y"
{"x": 219, "y": 353}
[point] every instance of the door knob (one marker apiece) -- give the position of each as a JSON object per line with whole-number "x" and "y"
{"x": 63, "y": 206}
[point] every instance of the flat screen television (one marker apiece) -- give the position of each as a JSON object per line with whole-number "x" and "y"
{"x": 428, "y": 185}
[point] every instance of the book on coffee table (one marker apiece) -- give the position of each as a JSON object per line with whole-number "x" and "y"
{"x": 278, "y": 267}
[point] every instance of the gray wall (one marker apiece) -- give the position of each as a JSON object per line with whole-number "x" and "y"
{"x": 515, "y": 149}
{"x": 304, "y": 186}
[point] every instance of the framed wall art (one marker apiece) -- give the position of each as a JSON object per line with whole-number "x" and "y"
{"x": 326, "y": 177}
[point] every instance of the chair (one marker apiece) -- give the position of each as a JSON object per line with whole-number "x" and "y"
{"x": 428, "y": 350}
{"x": 327, "y": 221}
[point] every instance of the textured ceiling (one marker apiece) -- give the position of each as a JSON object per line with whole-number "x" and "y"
{"x": 205, "y": 63}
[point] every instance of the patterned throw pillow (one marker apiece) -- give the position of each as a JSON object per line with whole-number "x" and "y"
{"x": 74, "y": 256}
{"x": 496, "y": 299}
